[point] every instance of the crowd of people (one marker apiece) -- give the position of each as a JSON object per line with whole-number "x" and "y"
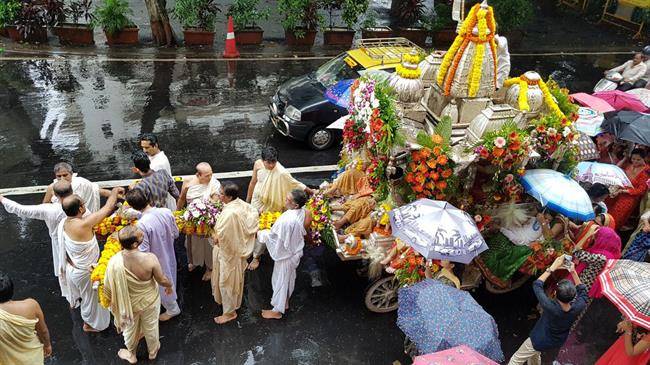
{"x": 141, "y": 277}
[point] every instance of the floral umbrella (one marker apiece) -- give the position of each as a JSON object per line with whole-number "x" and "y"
{"x": 436, "y": 317}
{"x": 459, "y": 355}
{"x": 604, "y": 173}
{"x": 438, "y": 230}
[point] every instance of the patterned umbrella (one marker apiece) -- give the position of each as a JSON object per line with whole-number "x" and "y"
{"x": 604, "y": 173}
{"x": 339, "y": 93}
{"x": 437, "y": 317}
{"x": 620, "y": 100}
{"x": 627, "y": 284}
{"x": 438, "y": 230}
{"x": 459, "y": 355}
{"x": 559, "y": 193}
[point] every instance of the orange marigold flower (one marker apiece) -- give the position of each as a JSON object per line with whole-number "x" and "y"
{"x": 435, "y": 176}
{"x": 442, "y": 159}
{"x": 425, "y": 152}
{"x": 446, "y": 173}
{"x": 442, "y": 185}
{"x": 498, "y": 152}
{"x": 515, "y": 146}
{"x": 436, "y": 138}
{"x": 437, "y": 151}
{"x": 513, "y": 135}
{"x": 418, "y": 188}
{"x": 431, "y": 163}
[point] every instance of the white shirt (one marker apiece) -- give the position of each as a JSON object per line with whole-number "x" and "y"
{"x": 159, "y": 161}
{"x": 630, "y": 71}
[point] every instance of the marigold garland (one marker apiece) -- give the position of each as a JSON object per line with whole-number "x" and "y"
{"x": 454, "y": 66}
{"x": 548, "y": 99}
{"x": 267, "y": 219}
{"x": 408, "y": 73}
{"x": 522, "y": 98}
{"x": 111, "y": 247}
{"x": 447, "y": 59}
{"x": 476, "y": 73}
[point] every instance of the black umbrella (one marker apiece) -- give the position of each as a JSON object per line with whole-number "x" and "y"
{"x": 628, "y": 125}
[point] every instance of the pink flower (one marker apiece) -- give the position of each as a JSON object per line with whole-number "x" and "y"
{"x": 478, "y": 218}
{"x": 508, "y": 179}
{"x": 500, "y": 142}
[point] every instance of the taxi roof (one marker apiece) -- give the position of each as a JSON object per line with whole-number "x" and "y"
{"x": 378, "y": 53}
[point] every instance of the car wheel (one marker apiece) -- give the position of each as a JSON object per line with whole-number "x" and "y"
{"x": 320, "y": 139}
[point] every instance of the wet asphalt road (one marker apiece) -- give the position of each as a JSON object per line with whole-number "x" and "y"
{"x": 90, "y": 111}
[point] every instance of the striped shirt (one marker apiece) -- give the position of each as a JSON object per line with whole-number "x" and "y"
{"x": 156, "y": 186}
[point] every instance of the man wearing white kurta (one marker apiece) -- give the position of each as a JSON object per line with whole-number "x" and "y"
{"x": 51, "y": 213}
{"x": 285, "y": 242}
{"x": 88, "y": 191}
{"x": 79, "y": 251}
{"x": 159, "y": 161}
{"x": 202, "y": 186}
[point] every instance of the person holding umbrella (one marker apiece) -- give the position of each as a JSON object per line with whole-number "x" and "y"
{"x": 552, "y": 328}
{"x": 623, "y": 202}
{"x": 632, "y": 348}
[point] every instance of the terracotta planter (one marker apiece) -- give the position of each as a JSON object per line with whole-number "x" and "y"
{"x": 125, "y": 37}
{"x": 338, "y": 37}
{"x": 415, "y": 35}
{"x": 198, "y": 37}
{"x": 38, "y": 36}
{"x": 307, "y": 40}
{"x": 249, "y": 36}
{"x": 377, "y": 32}
{"x": 74, "y": 34}
{"x": 444, "y": 37}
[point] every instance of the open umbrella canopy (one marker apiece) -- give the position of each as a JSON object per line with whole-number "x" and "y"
{"x": 589, "y": 121}
{"x": 626, "y": 283}
{"x": 559, "y": 193}
{"x": 438, "y": 230}
{"x": 630, "y": 126}
{"x": 459, "y": 355}
{"x": 620, "y": 100}
{"x": 643, "y": 94}
{"x": 437, "y": 317}
{"x": 339, "y": 93}
{"x": 604, "y": 173}
{"x": 592, "y": 102}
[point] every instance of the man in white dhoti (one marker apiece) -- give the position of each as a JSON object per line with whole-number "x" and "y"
{"x": 234, "y": 236}
{"x": 89, "y": 192}
{"x": 202, "y": 186}
{"x": 131, "y": 284}
{"x": 24, "y": 337}
{"x": 79, "y": 253}
{"x": 271, "y": 183}
{"x": 160, "y": 231}
{"x": 51, "y": 213}
{"x": 285, "y": 241}
{"x": 159, "y": 161}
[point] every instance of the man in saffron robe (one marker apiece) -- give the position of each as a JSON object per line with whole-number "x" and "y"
{"x": 51, "y": 213}
{"x": 160, "y": 231}
{"x": 202, "y": 186}
{"x": 79, "y": 252}
{"x": 285, "y": 241}
{"x": 271, "y": 183}
{"x": 234, "y": 238}
{"x": 131, "y": 284}
{"x": 24, "y": 338}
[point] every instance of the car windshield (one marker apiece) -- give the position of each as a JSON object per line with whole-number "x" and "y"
{"x": 334, "y": 71}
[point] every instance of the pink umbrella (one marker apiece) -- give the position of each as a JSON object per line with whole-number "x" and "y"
{"x": 592, "y": 102}
{"x": 620, "y": 100}
{"x": 459, "y": 355}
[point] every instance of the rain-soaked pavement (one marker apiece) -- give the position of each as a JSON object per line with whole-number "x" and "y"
{"x": 89, "y": 111}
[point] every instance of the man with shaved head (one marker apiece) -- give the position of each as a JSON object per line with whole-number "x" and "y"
{"x": 79, "y": 252}
{"x": 88, "y": 191}
{"x": 51, "y": 213}
{"x": 201, "y": 186}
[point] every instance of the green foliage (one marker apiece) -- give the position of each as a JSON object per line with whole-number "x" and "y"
{"x": 410, "y": 12}
{"x": 512, "y": 14}
{"x": 562, "y": 98}
{"x": 201, "y": 14}
{"x": 9, "y": 11}
{"x": 78, "y": 10}
{"x": 352, "y": 10}
{"x": 113, "y": 16}
{"x": 300, "y": 15}
{"x": 439, "y": 17}
{"x": 245, "y": 13}
{"x": 444, "y": 129}
{"x": 370, "y": 21}
{"x": 327, "y": 237}
{"x": 388, "y": 114}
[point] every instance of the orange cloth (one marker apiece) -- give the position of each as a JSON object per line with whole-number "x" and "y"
{"x": 358, "y": 208}
{"x": 362, "y": 228}
{"x": 616, "y": 354}
{"x": 347, "y": 183}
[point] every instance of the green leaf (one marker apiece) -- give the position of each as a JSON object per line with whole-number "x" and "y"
{"x": 443, "y": 129}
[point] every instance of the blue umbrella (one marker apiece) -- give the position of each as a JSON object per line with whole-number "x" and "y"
{"x": 339, "y": 93}
{"x": 436, "y": 317}
{"x": 559, "y": 193}
{"x": 437, "y": 230}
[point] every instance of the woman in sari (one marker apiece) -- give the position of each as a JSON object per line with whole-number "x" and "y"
{"x": 632, "y": 348}
{"x": 583, "y": 235}
{"x": 591, "y": 261}
{"x": 624, "y": 202}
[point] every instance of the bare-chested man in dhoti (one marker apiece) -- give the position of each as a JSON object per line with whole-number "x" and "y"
{"x": 202, "y": 186}
{"x": 131, "y": 284}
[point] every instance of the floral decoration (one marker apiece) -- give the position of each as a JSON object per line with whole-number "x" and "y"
{"x": 267, "y": 219}
{"x": 111, "y": 247}
{"x": 555, "y": 139}
{"x": 321, "y": 218}
{"x": 431, "y": 170}
{"x": 199, "y": 217}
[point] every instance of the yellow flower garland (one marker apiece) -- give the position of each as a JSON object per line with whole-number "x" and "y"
{"x": 548, "y": 99}
{"x": 408, "y": 73}
{"x": 477, "y": 62}
{"x": 267, "y": 219}
{"x": 111, "y": 248}
{"x": 522, "y": 98}
{"x": 465, "y": 27}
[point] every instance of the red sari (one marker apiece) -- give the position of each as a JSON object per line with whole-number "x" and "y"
{"x": 623, "y": 205}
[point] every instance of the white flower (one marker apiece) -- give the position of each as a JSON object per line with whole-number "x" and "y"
{"x": 374, "y": 102}
{"x": 186, "y": 215}
{"x": 552, "y": 131}
{"x": 200, "y": 205}
{"x": 566, "y": 131}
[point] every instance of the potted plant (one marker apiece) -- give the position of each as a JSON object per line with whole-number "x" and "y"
{"x": 409, "y": 16}
{"x": 80, "y": 31}
{"x": 370, "y": 29}
{"x": 440, "y": 25}
{"x": 9, "y": 11}
{"x": 31, "y": 24}
{"x": 245, "y": 16}
{"x": 352, "y": 9}
{"x": 301, "y": 21}
{"x": 198, "y": 18}
{"x": 112, "y": 17}
{"x": 511, "y": 17}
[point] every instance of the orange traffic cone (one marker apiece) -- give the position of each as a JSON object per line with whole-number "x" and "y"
{"x": 231, "y": 46}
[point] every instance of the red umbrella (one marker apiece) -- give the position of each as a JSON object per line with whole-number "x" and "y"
{"x": 622, "y": 101}
{"x": 592, "y": 102}
{"x": 626, "y": 283}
